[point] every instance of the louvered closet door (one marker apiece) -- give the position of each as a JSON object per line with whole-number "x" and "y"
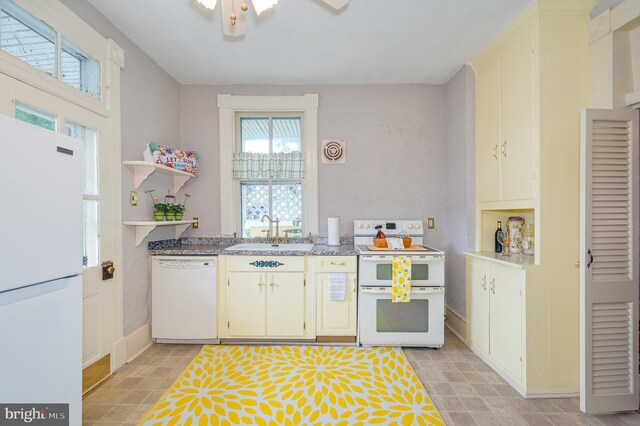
{"x": 609, "y": 261}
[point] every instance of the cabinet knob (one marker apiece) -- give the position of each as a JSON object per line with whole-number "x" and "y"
{"x": 503, "y": 149}
{"x": 493, "y": 286}
{"x": 495, "y": 152}
{"x": 484, "y": 282}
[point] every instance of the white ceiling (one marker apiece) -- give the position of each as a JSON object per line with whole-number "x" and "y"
{"x": 307, "y": 42}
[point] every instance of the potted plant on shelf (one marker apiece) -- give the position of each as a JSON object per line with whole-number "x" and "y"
{"x": 170, "y": 213}
{"x": 178, "y": 210}
{"x": 159, "y": 210}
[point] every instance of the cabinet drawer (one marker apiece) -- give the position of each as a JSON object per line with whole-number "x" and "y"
{"x": 336, "y": 264}
{"x": 265, "y": 263}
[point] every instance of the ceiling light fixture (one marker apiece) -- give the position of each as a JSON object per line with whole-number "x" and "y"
{"x": 235, "y": 25}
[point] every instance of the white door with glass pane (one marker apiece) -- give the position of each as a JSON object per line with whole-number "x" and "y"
{"x": 280, "y": 199}
{"x": 58, "y": 73}
{"x": 609, "y": 261}
{"x": 99, "y": 297}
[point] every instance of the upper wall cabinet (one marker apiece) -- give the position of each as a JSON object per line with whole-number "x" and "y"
{"x": 505, "y": 122}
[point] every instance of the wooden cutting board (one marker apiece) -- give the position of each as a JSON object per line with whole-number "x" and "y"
{"x": 411, "y": 248}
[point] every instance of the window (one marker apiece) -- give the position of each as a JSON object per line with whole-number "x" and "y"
{"x": 273, "y": 129}
{"x": 91, "y": 195}
{"x": 80, "y": 70}
{"x": 34, "y": 42}
{"x": 280, "y": 199}
{"x": 27, "y": 38}
{"x": 35, "y": 117}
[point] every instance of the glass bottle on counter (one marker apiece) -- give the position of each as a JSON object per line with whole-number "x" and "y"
{"x": 499, "y": 238}
{"x": 527, "y": 239}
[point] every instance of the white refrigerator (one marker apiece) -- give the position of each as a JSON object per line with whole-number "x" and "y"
{"x": 41, "y": 257}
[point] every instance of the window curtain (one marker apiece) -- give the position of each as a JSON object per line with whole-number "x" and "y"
{"x": 249, "y": 165}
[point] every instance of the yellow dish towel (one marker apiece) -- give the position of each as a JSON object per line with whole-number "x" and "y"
{"x": 401, "y": 279}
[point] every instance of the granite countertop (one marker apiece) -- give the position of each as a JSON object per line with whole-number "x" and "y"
{"x": 214, "y": 246}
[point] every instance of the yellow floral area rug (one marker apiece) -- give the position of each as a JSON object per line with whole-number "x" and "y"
{"x": 296, "y": 385}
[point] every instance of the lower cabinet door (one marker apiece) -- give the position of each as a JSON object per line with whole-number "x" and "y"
{"x": 478, "y": 304}
{"x": 506, "y": 318}
{"x": 285, "y": 304}
{"x": 246, "y": 293}
{"x": 336, "y": 317}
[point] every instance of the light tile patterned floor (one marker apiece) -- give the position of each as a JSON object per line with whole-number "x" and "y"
{"x": 465, "y": 390}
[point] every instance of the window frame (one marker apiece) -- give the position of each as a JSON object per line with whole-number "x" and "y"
{"x": 269, "y": 181}
{"x": 229, "y": 108}
{"x": 82, "y": 36}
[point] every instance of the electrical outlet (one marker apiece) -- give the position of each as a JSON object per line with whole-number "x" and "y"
{"x": 133, "y": 198}
{"x": 431, "y": 223}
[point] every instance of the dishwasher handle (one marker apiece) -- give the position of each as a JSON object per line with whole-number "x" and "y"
{"x": 186, "y": 264}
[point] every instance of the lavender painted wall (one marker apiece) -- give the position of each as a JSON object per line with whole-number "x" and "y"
{"x": 150, "y": 112}
{"x": 397, "y": 155}
{"x": 394, "y": 142}
{"x": 460, "y": 182}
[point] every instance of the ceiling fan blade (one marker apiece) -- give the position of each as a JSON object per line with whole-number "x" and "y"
{"x": 337, "y": 4}
{"x": 262, "y": 5}
{"x": 209, "y": 4}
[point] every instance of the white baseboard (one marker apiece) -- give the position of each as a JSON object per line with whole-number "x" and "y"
{"x": 553, "y": 394}
{"x": 456, "y": 322}
{"x": 131, "y": 346}
{"x": 138, "y": 342}
{"x": 118, "y": 354}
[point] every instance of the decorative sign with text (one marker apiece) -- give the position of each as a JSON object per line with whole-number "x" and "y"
{"x": 175, "y": 158}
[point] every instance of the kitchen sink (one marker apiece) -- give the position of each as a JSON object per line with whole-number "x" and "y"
{"x": 269, "y": 247}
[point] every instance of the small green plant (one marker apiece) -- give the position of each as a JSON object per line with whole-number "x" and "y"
{"x": 161, "y": 207}
{"x": 177, "y": 208}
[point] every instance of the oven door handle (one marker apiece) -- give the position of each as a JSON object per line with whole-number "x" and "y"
{"x": 414, "y": 290}
{"x": 414, "y": 259}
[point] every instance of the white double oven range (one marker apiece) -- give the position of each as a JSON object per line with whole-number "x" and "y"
{"x": 419, "y": 322}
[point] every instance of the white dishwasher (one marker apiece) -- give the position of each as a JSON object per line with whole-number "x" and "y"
{"x": 184, "y": 299}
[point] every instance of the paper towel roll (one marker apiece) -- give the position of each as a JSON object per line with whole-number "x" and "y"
{"x": 333, "y": 225}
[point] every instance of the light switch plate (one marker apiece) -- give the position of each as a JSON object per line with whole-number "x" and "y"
{"x": 133, "y": 198}
{"x": 431, "y": 223}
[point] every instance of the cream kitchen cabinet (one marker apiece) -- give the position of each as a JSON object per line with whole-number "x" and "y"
{"x": 505, "y": 120}
{"x": 494, "y": 313}
{"x": 531, "y": 84}
{"x": 336, "y": 317}
{"x": 265, "y": 297}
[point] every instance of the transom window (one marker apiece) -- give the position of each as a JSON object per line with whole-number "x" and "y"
{"x": 32, "y": 41}
{"x": 281, "y": 199}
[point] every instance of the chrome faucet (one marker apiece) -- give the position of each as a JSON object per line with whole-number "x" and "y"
{"x": 276, "y": 238}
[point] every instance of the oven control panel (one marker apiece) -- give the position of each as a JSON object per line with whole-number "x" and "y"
{"x": 389, "y": 227}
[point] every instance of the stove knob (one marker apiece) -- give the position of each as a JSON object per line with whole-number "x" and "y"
{"x": 418, "y": 225}
{"x": 359, "y": 226}
{"x": 367, "y": 226}
{"x": 410, "y": 226}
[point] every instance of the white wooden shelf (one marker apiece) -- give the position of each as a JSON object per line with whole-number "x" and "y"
{"x": 143, "y": 169}
{"x": 144, "y": 228}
